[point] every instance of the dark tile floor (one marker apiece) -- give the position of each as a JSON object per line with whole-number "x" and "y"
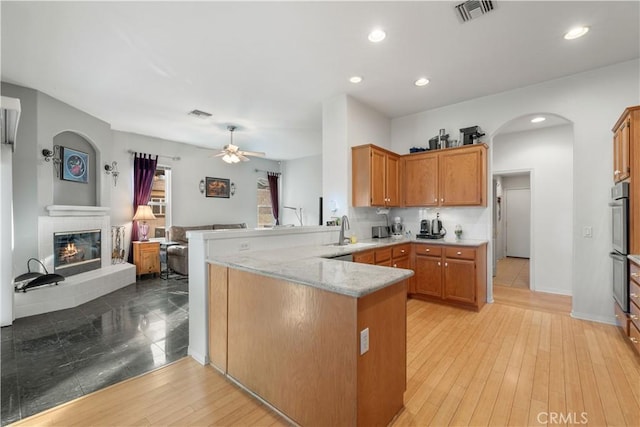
{"x": 55, "y": 357}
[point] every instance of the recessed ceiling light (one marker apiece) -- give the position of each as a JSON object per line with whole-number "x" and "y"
{"x": 422, "y": 81}
{"x": 355, "y": 79}
{"x": 538, "y": 119}
{"x": 576, "y": 32}
{"x": 377, "y": 35}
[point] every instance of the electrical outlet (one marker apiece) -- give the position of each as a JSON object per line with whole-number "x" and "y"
{"x": 587, "y": 231}
{"x": 244, "y": 246}
{"x": 364, "y": 341}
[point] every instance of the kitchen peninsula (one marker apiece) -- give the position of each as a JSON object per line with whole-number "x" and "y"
{"x": 322, "y": 341}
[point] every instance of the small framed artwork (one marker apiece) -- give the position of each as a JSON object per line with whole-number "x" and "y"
{"x": 75, "y": 165}
{"x": 217, "y": 187}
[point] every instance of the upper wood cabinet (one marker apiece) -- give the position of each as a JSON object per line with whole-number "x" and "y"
{"x": 450, "y": 177}
{"x": 375, "y": 176}
{"x": 421, "y": 179}
{"x": 621, "y": 166}
{"x": 626, "y": 167}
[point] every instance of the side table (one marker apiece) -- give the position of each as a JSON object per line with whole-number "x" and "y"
{"x": 146, "y": 257}
{"x": 164, "y": 258}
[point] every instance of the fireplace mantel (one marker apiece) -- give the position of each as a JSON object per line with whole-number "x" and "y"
{"x": 64, "y": 210}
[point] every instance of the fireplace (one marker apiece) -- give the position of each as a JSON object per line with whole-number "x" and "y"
{"x": 75, "y": 252}
{"x": 79, "y": 287}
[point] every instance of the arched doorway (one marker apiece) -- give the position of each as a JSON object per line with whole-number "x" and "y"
{"x": 534, "y": 161}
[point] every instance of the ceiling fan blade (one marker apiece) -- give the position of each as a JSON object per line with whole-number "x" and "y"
{"x": 220, "y": 154}
{"x": 242, "y": 157}
{"x": 252, "y": 153}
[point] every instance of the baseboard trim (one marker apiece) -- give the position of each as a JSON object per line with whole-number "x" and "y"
{"x": 201, "y": 359}
{"x": 609, "y": 320}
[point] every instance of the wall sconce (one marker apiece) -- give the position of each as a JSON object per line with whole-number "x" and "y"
{"x": 232, "y": 188}
{"x": 54, "y": 157}
{"x": 201, "y": 186}
{"x": 113, "y": 170}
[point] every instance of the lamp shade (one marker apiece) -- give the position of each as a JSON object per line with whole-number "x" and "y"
{"x": 143, "y": 213}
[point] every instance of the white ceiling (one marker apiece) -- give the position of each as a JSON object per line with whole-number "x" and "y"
{"x": 268, "y": 66}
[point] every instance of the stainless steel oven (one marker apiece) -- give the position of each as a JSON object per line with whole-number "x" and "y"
{"x": 620, "y": 243}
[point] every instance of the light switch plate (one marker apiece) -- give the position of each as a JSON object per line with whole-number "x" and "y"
{"x": 587, "y": 231}
{"x": 364, "y": 341}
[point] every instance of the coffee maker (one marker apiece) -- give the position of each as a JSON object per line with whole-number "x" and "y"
{"x": 470, "y": 135}
{"x": 431, "y": 229}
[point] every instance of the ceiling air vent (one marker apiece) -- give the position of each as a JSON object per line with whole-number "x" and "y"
{"x": 199, "y": 114}
{"x": 473, "y": 8}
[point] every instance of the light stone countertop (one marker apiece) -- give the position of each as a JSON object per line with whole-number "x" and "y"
{"x": 311, "y": 265}
{"x": 634, "y": 258}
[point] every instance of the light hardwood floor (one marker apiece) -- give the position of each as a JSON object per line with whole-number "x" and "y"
{"x": 512, "y": 272}
{"x": 502, "y": 366}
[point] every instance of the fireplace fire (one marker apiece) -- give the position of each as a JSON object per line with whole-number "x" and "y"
{"x": 76, "y": 252}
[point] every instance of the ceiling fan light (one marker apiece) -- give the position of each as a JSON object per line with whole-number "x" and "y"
{"x": 235, "y": 159}
{"x": 227, "y": 158}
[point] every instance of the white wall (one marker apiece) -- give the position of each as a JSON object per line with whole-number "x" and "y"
{"x": 593, "y": 101}
{"x": 301, "y": 188}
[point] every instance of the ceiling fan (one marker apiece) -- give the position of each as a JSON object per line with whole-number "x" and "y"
{"x": 232, "y": 153}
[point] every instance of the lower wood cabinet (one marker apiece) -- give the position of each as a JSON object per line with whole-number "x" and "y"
{"x": 146, "y": 257}
{"x": 451, "y": 274}
{"x": 398, "y": 256}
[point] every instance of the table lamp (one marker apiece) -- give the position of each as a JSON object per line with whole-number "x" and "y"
{"x": 143, "y": 214}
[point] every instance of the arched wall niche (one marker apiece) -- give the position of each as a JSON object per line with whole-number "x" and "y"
{"x": 77, "y": 155}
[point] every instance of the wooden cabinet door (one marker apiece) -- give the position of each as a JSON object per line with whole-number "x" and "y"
{"x": 462, "y": 177}
{"x": 401, "y": 263}
{"x": 392, "y": 178}
{"x": 421, "y": 180}
{"x": 617, "y": 136}
{"x": 428, "y": 275}
{"x": 378, "y": 178}
{"x": 624, "y": 150}
{"x": 459, "y": 280}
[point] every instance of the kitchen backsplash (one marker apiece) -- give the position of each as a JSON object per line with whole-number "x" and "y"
{"x": 473, "y": 220}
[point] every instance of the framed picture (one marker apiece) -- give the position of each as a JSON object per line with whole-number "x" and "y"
{"x": 75, "y": 165}
{"x": 217, "y": 187}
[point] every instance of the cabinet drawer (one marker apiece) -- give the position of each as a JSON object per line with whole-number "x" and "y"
{"x": 634, "y": 337}
{"x": 364, "y": 257}
{"x": 634, "y": 292}
{"x": 634, "y": 314}
{"x": 400, "y": 251}
{"x": 383, "y": 255}
{"x": 634, "y": 272}
{"x": 622, "y": 320}
{"x": 460, "y": 253}
{"x": 431, "y": 250}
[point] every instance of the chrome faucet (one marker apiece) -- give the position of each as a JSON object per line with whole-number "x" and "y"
{"x": 344, "y": 222}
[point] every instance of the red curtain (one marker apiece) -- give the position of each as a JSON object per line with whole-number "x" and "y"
{"x": 144, "y": 167}
{"x": 273, "y": 191}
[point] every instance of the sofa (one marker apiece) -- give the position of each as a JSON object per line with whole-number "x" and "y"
{"x": 178, "y": 254}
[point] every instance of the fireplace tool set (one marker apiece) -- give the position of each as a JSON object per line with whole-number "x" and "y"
{"x": 33, "y": 279}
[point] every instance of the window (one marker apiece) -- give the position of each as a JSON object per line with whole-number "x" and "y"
{"x": 265, "y": 215}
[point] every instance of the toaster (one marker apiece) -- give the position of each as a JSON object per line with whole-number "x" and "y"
{"x": 380, "y": 231}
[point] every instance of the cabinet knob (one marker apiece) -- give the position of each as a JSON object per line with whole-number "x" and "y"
{"x": 459, "y": 253}
{"x": 635, "y": 275}
{"x": 633, "y": 317}
{"x": 446, "y": 264}
{"x": 438, "y": 263}
{"x": 633, "y": 295}
{"x": 633, "y": 340}
{"x": 428, "y": 250}
{"x": 395, "y": 265}
{"x": 616, "y": 172}
{"x": 617, "y": 316}
{"x": 442, "y": 200}
{"x": 402, "y": 251}
{"x": 435, "y": 200}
